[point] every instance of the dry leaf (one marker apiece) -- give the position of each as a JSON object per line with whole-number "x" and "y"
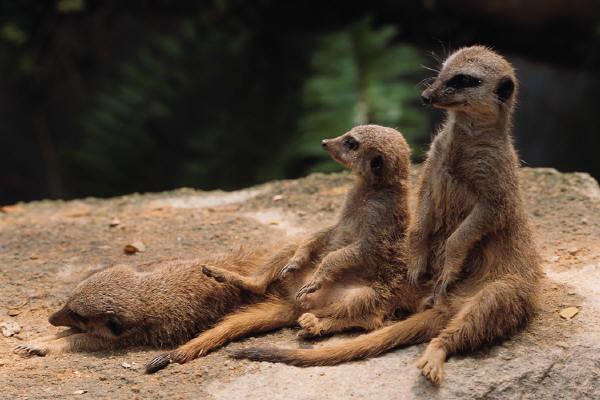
{"x": 277, "y": 197}
{"x": 134, "y": 247}
{"x": 80, "y": 391}
{"x": 12, "y": 208}
{"x": 13, "y": 312}
{"x": 569, "y": 312}
{"x": 114, "y": 222}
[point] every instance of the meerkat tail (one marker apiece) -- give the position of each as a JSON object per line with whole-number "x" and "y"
{"x": 416, "y": 329}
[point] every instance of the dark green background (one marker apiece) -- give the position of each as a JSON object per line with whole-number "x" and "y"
{"x": 99, "y": 98}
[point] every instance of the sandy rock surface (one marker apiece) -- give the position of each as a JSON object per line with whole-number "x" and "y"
{"x": 47, "y": 247}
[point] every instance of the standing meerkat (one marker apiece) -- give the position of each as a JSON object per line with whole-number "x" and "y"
{"x": 352, "y": 275}
{"x": 471, "y": 236}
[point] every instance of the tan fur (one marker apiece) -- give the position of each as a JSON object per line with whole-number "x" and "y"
{"x": 160, "y": 304}
{"x": 357, "y": 269}
{"x": 470, "y": 237}
{"x": 346, "y": 276}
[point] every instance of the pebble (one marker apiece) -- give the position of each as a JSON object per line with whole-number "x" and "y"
{"x": 9, "y": 328}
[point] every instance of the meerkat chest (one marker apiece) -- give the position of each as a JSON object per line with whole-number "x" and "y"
{"x": 452, "y": 195}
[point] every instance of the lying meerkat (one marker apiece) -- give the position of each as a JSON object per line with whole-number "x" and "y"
{"x": 159, "y": 304}
{"x": 471, "y": 235}
{"x": 352, "y": 275}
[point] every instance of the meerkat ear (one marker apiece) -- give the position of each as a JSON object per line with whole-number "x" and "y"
{"x": 377, "y": 165}
{"x": 505, "y": 89}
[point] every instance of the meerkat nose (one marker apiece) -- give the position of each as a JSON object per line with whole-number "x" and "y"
{"x": 426, "y": 99}
{"x": 324, "y": 142}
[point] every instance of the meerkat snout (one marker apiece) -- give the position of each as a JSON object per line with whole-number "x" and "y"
{"x": 324, "y": 143}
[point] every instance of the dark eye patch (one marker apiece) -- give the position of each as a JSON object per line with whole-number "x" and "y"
{"x": 77, "y": 317}
{"x": 350, "y": 143}
{"x": 461, "y": 81}
{"x": 114, "y": 324}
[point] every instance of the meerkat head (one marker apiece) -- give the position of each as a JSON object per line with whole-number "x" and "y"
{"x": 105, "y": 304}
{"x": 473, "y": 80}
{"x": 375, "y": 153}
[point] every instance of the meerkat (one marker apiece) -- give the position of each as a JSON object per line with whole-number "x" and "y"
{"x": 342, "y": 245}
{"x": 470, "y": 237}
{"x": 160, "y": 304}
{"x": 352, "y": 275}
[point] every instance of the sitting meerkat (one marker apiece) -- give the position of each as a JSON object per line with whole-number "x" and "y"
{"x": 352, "y": 275}
{"x": 356, "y": 239}
{"x": 471, "y": 237}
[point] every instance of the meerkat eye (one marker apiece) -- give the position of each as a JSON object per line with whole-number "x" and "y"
{"x": 350, "y": 143}
{"x": 77, "y": 317}
{"x": 461, "y": 81}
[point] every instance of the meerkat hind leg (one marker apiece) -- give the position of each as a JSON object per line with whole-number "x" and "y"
{"x": 493, "y": 312}
{"x": 256, "y": 284}
{"x": 260, "y": 317}
{"x": 357, "y": 308}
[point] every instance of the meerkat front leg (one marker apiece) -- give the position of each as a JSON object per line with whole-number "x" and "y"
{"x": 333, "y": 263}
{"x": 72, "y": 342}
{"x": 458, "y": 245}
{"x": 418, "y": 234}
{"x": 305, "y": 252}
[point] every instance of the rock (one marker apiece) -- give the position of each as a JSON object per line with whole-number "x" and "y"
{"x": 569, "y": 312}
{"x": 553, "y": 357}
{"x": 9, "y": 328}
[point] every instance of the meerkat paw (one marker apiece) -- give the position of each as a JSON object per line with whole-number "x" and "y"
{"x": 159, "y": 362}
{"x": 431, "y": 363}
{"x": 307, "y": 289}
{"x": 176, "y": 356}
{"x": 288, "y": 269}
{"x": 31, "y": 349}
{"x": 311, "y": 326}
{"x": 214, "y": 272}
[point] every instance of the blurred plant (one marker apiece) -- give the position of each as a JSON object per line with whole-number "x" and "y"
{"x": 198, "y": 106}
{"x": 359, "y": 76}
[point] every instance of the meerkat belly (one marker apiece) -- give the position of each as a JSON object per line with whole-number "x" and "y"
{"x": 339, "y": 292}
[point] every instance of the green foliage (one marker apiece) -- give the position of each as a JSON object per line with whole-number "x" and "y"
{"x": 13, "y": 34}
{"x": 69, "y": 6}
{"x": 359, "y": 76}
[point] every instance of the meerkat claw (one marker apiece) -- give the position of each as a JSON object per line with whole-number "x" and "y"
{"x": 158, "y": 363}
{"x": 30, "y": 350}
{"x": 290, "y": 267}
{"x": 307, "y": 289}
{"x": 208, "y": 271}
